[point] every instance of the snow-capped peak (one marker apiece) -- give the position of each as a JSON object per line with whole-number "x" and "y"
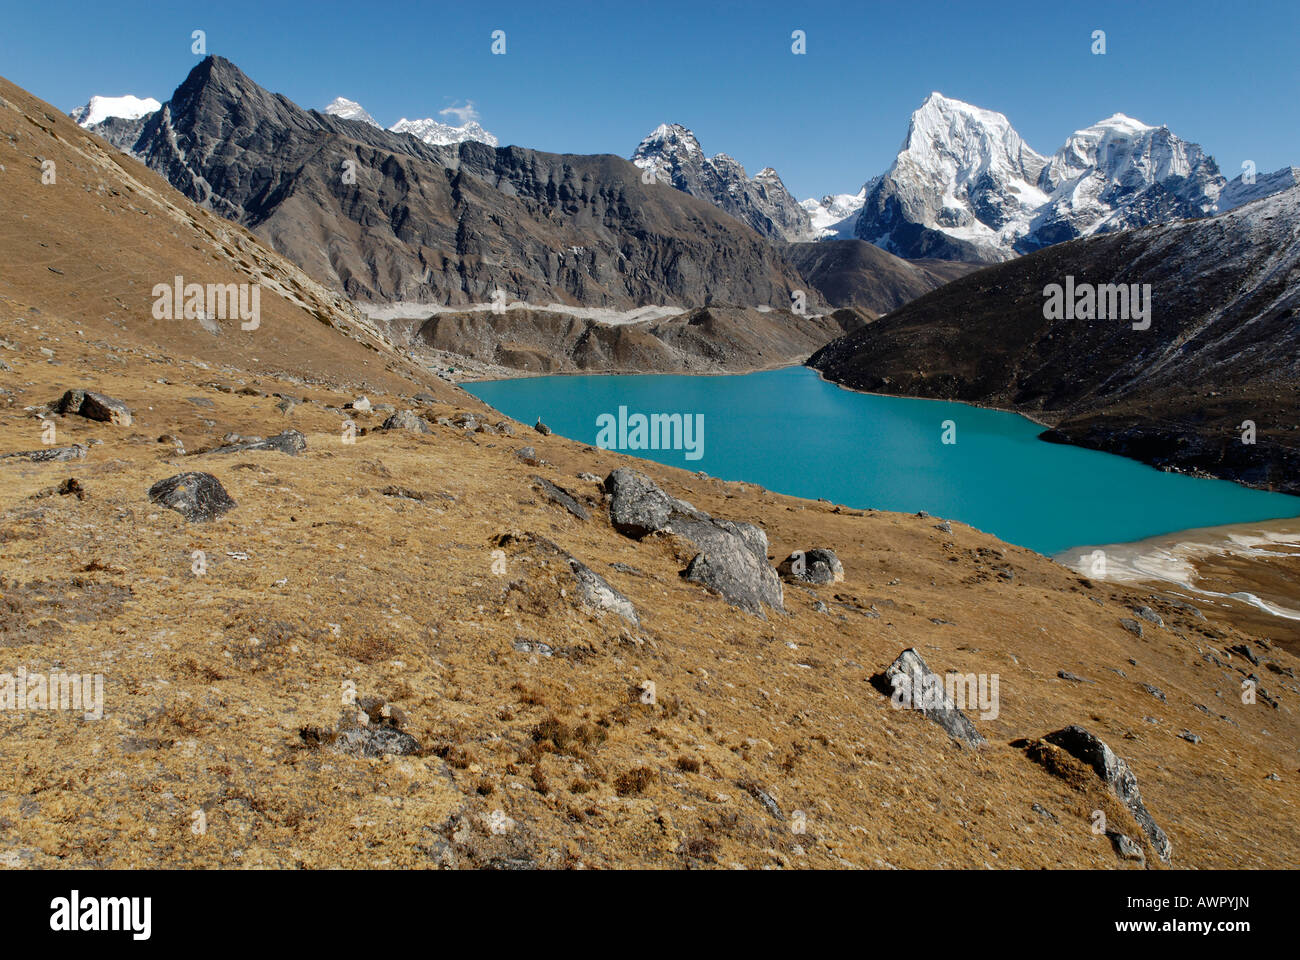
{"x": 127, "y": 107}
{"x": 443, "y": 134}
{"x": 349, "y": 110}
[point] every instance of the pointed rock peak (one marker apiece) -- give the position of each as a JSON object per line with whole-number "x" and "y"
{"x": 1123, "y": 122}
{"x": 669, "y": 137}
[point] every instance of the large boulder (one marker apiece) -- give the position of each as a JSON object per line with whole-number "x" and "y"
{"x": 95, "y": 406}
{"x": 406, "y": 420}
{"x": 291, "y": 442}
{"x": 1116, "y": 774}
{"x": 817, "y": 565}
{"x": 912, "y": 685}
{"x": 732, "y": 557}
{"x": 48, "y": 454}
{"x": 198, "y": 497}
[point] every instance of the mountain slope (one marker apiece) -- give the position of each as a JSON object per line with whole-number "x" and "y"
{"x": 672, "y": 155}
{"x": 88, "y": 249}
{"x": 854, "y": 273}
{"x": 1223, "y": 345}
{"x": 448, "y": 225}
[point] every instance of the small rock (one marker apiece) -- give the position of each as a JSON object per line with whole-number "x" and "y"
{"x": 1132, "y": 626}
{"x": 1189, "y": 737}
{"x": 817, "y": 565}
{"x": 542, "y": 428}
{"x": 528, "y": 455}
{"x": 1146, "y": 613}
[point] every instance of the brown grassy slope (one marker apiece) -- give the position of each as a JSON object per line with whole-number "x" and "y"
{"x": 329, "y": 571}
{"x": 321, "y": 577}
{"x": 91, "y": 246}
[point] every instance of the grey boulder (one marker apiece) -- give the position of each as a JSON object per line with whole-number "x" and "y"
{"x": 198, "y": 497}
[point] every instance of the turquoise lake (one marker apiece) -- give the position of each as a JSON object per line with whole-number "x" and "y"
{"x": 793, "y": 433}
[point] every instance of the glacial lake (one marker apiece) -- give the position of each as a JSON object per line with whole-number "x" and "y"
{"x": 791, "y": 432}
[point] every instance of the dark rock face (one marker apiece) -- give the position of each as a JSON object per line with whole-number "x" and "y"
{"x": 198, "y": 497}
{"x": 543, "y": 227}
{"x": 911, "y": 683}
{"x": 732, "y": 558}
{"x": 291, "y": 442}
{"x": 48, "y": 454}
{"x": 95, "y": 406}
{"x": 375, "y": 741}
{"x": 1224, "y": 296}
{"x": 1115, "y": 773}
{"x": 817, "y": 565}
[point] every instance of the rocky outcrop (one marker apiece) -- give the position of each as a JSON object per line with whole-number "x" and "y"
{"x": 94, "y": 406}
{"x": 290, "y": 441}
{"x": 406, "y": 420}
{"x": 1117, "y": 776}
{"x": 198, "y": 497}
{"x": 912, "y": 685}
{"x": 731, "y": 557}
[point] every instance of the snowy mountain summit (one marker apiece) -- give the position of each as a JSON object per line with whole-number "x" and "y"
{"x": 350, "y": 110}
{"x": 127, "y": 107}
{"x": 672, "y": 155}
{"x": 428, "y": 130}
{"x": 965, "y": 186}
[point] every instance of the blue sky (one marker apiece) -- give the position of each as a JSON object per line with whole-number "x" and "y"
{"x": 596, "y": 77}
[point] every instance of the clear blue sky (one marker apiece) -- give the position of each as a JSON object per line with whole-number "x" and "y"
{"x": 596, "y": 77}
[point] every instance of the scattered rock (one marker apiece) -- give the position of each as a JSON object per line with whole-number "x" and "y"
{"x": 559, "y": 495}
{"x": 528, "y": 455}
{"x": 1126, "y": 847}
{"x": 95, "y": 406}
{"x": 944, "y": 527}
{"x": 1190, "y": 737}
{"x": 1146, "y": 613}
{"x": 291, "y": 442}
{"x": 912, "y": 685}
{"x": 360, "y": 405}
{"x": 48, "y": 454}
{"x": 1066, "y": 675}
{"x": 1132, "y": 626}
{"x": 1117, "y": 775}
{"x": 286, "y": 406}
{"x": 198, "y": 497}
{"x": 406, "y": 420}
{"x": 542, "y": 428}
{"x": 818, "y": 565}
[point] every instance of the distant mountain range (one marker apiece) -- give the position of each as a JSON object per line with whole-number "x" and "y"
{"x": 386, "y": 217}
{"x": 965, "y": 186}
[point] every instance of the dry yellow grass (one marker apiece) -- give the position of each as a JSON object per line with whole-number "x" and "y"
{"x": 220, "y": 687}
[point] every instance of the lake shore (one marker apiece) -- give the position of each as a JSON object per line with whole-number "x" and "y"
{"x": 1250, "y": 571}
